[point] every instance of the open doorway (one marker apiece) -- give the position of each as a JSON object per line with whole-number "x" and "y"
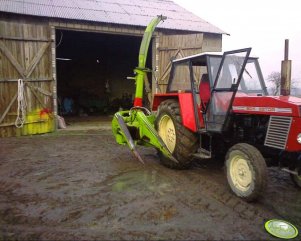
{"x": 91, "y": 74}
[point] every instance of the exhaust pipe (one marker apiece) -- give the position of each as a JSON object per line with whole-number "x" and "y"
{"x": 286, "y": 69}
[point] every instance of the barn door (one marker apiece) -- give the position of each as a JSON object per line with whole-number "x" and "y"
{"x": 174, "y": 47}
{"x": 26, "y": 79}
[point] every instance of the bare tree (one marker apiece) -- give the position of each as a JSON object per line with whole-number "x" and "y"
{"x": 275, "y": 79}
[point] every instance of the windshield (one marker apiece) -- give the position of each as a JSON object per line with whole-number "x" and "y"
{"x": 251, "y": 82}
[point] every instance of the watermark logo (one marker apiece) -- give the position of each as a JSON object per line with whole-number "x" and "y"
{"x": 281, "y": 229}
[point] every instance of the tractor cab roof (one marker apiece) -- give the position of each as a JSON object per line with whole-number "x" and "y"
{"x": 201, "y": 58}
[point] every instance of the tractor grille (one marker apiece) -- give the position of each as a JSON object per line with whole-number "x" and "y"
{"x": 278, "y": 130}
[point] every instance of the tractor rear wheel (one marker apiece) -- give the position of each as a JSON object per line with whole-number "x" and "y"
{"x": 180, "y": 141}
{"x": 246, "y": 171}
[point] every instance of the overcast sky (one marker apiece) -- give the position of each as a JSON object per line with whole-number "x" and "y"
{"x": 261, "y": 24}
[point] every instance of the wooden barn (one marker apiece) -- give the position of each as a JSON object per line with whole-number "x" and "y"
{"x": 72, "y": 57}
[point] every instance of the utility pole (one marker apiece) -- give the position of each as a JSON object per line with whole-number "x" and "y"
{"x": 286, "y": 69}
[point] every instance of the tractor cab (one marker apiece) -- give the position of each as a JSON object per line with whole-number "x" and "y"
{"x": 214, "y": 80}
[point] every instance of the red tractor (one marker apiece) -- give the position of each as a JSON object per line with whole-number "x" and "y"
{"x": 218, "y": 106}
{"x": 215, "y": 106}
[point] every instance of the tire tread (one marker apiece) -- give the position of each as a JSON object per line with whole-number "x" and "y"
{"x": 259, "y": 166}
{"x": 186, "y": 145}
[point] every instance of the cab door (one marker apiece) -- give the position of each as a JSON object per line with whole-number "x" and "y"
{"x": 225, "y": 86}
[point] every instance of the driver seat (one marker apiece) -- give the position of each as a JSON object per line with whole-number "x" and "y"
{"x": 204, "y": 90}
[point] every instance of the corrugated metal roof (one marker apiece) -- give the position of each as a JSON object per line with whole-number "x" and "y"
{"x": 129, "y": 12}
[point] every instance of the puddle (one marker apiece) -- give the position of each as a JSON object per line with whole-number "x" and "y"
{"x": 142, "y": 180}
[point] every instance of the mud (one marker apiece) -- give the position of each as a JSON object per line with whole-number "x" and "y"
{"x": 81, "y": 185}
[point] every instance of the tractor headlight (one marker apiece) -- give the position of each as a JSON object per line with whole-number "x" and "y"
{"x": 299, "y": 138}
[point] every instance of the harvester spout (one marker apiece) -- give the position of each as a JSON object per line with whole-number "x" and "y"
{"x": 141, "y": 71}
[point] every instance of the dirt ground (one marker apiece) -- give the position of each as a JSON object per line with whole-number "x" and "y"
{"x": 78, "y": 184}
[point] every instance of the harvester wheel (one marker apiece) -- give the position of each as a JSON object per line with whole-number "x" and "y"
{"x": 296, "y": 178}
{"x": 246, "y": 171}
{"x": 180, "y": 141}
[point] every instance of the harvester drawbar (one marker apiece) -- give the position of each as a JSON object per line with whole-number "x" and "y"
{"x": 136, "y": 126}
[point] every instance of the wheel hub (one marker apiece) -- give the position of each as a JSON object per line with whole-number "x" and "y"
{"x": 167, "y": 132}
{"x": 240, "y": 173}
{"x": 171, "y": 135}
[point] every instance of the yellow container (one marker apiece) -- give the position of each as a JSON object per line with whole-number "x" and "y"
{"x": 38, "y": 122}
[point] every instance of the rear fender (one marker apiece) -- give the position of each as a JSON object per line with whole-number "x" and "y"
{"x": 186, "y": 106}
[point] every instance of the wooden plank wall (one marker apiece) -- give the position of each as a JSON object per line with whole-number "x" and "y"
{"x": 212, "y": 43}
{"x": 25, "y": 53}
{"x": 182, "y": 45}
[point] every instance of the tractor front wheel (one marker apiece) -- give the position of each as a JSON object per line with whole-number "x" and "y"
{"x": 246, "y": 171}
{"x": 180, "y": 141}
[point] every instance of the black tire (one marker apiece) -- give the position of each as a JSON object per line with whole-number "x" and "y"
{"x": 296, "y": 178}
{"x": 246, "y": 171}
{"x": 186, "y": 142}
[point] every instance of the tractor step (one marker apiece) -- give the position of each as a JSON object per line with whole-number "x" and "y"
{"x": 202, "y": 154}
